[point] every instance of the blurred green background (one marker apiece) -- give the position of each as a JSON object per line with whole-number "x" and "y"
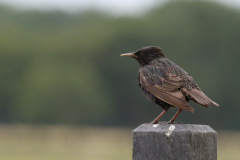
{"x": 62, "y": 76}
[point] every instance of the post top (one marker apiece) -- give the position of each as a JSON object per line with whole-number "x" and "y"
{"x": 168, "y": 128}
{"x": 174, "y": 141}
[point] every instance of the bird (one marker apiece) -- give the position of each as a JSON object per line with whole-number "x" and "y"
{"x": 167, "y": 84}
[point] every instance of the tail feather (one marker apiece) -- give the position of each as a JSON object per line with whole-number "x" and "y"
{"x": 201, "y": 98}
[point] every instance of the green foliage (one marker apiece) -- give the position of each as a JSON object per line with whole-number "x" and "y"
{"x": 66, "y": 68}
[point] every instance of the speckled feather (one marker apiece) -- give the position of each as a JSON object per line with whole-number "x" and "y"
{"x": 167, "y": 84}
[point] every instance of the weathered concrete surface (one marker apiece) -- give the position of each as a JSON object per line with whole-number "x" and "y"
{"x": 174, "y": 142}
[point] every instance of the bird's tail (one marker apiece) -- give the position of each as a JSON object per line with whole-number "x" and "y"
{"x": 201, "y": 98}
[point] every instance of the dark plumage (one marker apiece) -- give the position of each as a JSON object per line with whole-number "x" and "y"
{"x": 165, "y": 83}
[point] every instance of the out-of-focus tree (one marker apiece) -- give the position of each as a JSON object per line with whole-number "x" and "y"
{"x": 65, "y": 68}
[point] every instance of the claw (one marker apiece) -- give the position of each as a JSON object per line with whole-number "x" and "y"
{"x": 164, "y": 122}
{"x": 175, "y": 122}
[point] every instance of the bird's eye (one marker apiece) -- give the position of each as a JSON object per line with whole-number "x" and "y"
{"x": 139, "y": 53}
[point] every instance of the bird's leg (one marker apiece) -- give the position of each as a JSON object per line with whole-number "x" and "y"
{"x": 155, "y": 121}
{"x": 173, "y": 119}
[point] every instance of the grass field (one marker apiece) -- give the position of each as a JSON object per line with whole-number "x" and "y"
{"x": 21, "y": 142}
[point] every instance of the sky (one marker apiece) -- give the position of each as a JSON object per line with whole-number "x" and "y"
{"x": 118, "y": 7}
{"x": 114, "y": 6}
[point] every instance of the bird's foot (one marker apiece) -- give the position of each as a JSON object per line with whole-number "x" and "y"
{"x": 170, "y": 122}
{"x": 153, "y": 122}
{"x": 165, "y": 122}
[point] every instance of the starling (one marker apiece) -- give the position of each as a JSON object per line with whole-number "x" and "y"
{"x": 165, "y": 83}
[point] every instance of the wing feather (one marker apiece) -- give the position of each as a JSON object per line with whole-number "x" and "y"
{"x": 175, "y": 98}
{"x": 166, "y": 89}
{"x": 172, "y": 85}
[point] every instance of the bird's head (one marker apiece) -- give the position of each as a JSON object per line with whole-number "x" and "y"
{"x": 146, "y": 54}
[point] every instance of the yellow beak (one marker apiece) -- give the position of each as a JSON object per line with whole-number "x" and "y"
{"x": 129, "y": 55}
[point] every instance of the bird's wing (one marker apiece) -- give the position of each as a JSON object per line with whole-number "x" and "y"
{"x": 157, "y": 81}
